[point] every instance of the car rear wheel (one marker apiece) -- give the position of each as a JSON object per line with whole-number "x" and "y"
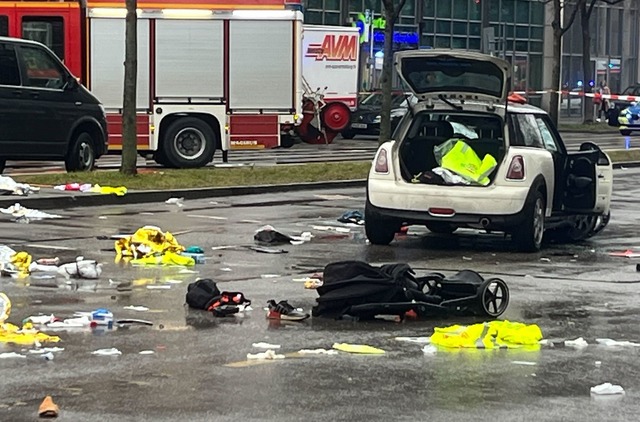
{"x": 441, "y": 227}
{"x": 528, "y": 236}
{"x": 380, "y": 231}
{"x": 625, "y": 132}
{"x": 82, "y": 154}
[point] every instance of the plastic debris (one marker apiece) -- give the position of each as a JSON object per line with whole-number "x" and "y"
{"x": 269, "y": 275}
{"x": 48, "y": 409}
{"x": 263, "y": 345}
{"x": 317, "y": 352}
{"x": 47, "y": 356}
{"x": 578, "y": 343}
{"x": 41, "y": 319}
{"x": 159, "y": 286}
{"x": 146, "y": 352}
{"x": 179, "y": 202}
{"x": 134, "y": 321}
{"x": 81, "y": 268}
{"x": 75, "y": 187}
{"x": 523, "y": 362}
{"x": 11, "y": 355}
{"x": 107, "y": 352}
{"x": 616, "y": 343}
{"x": 137, "y": 308}
{"x": 429, "y": 349}
{"x": 629, "y": 253}
{"x": 46, "y": 350}
{"x": 262, "y": 249}
{"x": 545, "y": 260}
{"x": 5, "y": 308}
{"x": 11, "y": 187}
{"x": 148, "y": 241}
{"x": 424, "y": 340}
{"x": 268, "y": 355}
{"x": 607, "y": 389}
{"x": 358, "y": 348}
{"x": 331, "y": 228}
{"x": 313, "y": 283}
{"x": 19, "y": 212}
{"x": 109, "y": 190}
{"x": 598, "y": 363}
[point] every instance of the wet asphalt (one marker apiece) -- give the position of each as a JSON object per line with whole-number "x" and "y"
{"x": 199, "y": 370}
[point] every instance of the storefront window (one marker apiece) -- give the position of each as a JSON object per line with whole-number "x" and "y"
{"x": 443, "y": 27}
{"x": 522, "y": 11}
{"x": 409, "y": 8}
{"x": 443, "y": 42}
{"x": 508, "y": 10}
{"x": 474, "y": 43}
{"x": 444, "y": 8}
{"x": 460, "y": 28}
{"x": 428, "y": 8}
{"x": 474, "y": 29}
{"x": 537, "y": 13}
{"x": 460, "y": 9}
{"x": 458, "y": 42}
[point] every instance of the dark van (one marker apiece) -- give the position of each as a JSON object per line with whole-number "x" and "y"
{"x": 45, "y": 113}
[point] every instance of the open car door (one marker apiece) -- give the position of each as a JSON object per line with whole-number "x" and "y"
{"x": 588, "y": 180}
{"x": 434, "y": 73}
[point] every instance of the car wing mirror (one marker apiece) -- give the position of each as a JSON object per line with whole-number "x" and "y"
{"x": 72, "y": 83}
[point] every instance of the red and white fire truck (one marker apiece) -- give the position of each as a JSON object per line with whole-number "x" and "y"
{"x": 211, "y": 75}
{"x": 330, "y": 57}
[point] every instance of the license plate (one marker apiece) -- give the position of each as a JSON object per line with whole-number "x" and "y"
{"x": 359, "y": 125}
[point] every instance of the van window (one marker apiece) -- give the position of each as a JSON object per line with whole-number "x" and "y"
{"x": 4, "y": 26}
{"x": 9, "y": 72}
{"x": 42, "y": 70}
{"x": 46, "y": 30}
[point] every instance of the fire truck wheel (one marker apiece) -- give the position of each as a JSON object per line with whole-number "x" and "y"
{"x": 2, "y": 164}
{"x": 82, "y": 154}
{"x": 189, "y": 142}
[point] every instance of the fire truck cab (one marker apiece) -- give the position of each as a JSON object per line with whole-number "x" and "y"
{"x": 210, "y": 76}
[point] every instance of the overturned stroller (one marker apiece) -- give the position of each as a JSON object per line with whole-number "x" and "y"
{"x": 357, "y": 290}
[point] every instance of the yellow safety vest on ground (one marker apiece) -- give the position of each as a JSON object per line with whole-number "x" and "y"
{"x": 488, "y": 335}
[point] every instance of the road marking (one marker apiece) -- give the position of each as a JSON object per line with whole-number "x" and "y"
{"x": 210, "y": 217}
{"x": 62, "y": 248}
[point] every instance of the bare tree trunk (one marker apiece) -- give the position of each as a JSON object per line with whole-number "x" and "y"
{"x": 387, "y": 78}
{"x": 557, "y": 59}
{"x": 586, "y": 60}
{"x": 129, "y": 133}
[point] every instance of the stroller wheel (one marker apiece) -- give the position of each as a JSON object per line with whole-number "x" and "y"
{"x": 494, "y": 295}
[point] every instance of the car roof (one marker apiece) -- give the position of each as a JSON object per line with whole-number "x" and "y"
{"x": 524, "y": 108}
{"x": 18, "y": 41}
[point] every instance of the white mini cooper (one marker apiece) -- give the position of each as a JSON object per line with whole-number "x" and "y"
{"x": 534, "y": 185}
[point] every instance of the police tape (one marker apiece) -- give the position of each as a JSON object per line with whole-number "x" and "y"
{"x": 582, "y": 94}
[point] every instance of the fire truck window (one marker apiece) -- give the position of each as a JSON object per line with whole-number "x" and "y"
{"x": 9, "y": 73}
{"x": 46, "y": 30}
{"x": 4, "y": 26}
{"x": 41, "y": 68}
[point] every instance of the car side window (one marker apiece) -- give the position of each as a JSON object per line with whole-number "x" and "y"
{"x": 529, "y": 134}
{"x": 9, "y": 70}
{"x": 41, "y": 68}
{"x": 548, "y": 139}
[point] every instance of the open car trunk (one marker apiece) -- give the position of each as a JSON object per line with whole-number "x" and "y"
{"x": 452, "y": 148}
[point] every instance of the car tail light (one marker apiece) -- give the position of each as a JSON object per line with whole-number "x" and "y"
{"x": 516, "y": 168}
{"x": 382, "y": 166}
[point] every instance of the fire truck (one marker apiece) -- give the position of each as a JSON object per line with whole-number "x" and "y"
{"x": 210, "y": 75}
{"x": 330, "y": 57}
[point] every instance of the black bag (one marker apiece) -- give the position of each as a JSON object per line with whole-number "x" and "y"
{"x": 202, "y": 294}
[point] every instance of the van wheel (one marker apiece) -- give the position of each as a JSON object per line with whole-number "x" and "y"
{"x": 188, "y": 143}
{"x": 625, "y": 132}
{"x": 440, "y": 227}
{"x": 528, "y": 236}
{"x": 82, "y": 154}
{"x": 3, "y": 163}
{"x": 379, "y": 231}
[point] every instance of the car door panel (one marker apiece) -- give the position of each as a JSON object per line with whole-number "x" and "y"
{"x": 580, "y": 181}
{"x": 12, "y": 117}
{"x": 604, "y": 173}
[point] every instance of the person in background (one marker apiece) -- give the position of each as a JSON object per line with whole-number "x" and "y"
{"x": 604, "y": 102}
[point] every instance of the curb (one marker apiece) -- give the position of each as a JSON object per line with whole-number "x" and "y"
{"x": 62, "y": 201}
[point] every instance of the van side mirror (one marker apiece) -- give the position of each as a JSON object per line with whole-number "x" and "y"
{"x": 72, "y": 83}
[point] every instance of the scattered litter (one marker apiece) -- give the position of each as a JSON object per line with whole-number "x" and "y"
{"x": 578, "y": 343}
{"x": 358, "y": 348}
{"x": 429, "y": 349}
{"x": 109, "y": 190}
{"x": 48, "y": 409}
{"x": 134, "y": 321}
{"x": 226, "y": 269}
{"x": 47, "y": 356}
{"x": 331, "y": 228}
{"x": 262, "y": 249}
{"x": 137, "y": 308}
{"x": 545, "y": 260}
{"x": 11, "y": 187}
{"x": 179, "y": 202}
{"x": 146, "y": 352}
{"x": 466, "y": 258}
{"x": 80, "y": 322}
{"x": 41, "y": 319}
{"x": 26, "y": 335}
{"x": 269, "y": 276}
{"x": 219, "y": 248}
{"x": 187, "y": 271}
{"x": 263, "y": 345}
{"x": 268, "y": 234}
{"x": 422, "y": 340}
{"x": 46, "y": 350}
{"x": 25, "y": 214}
{"x": 353, "y": 217}
{"x": 10, "y": 355}
{"x": 102, "y": 217}
{"x": 523, "y": 362}
{"x": 75, "y": 187}
{"x": 615, "y": 343}
{"x": 204, "y": 294}
{"x": 598, "y": 363}
{"x": 629, "y": 253}
{"x": 158, "y": 286}
{"x": 317, "y": 352}
{"x": 488, "y": 335}
{"x": 268, "y": 355}
{"x": 107, "y": 352}
{"x": 151, "y": 246}
{"x": 333, "y": 197}
{"x": 607, "y": 389}
{"x": 313, "y": 283}
{"x": 82, "y": 268}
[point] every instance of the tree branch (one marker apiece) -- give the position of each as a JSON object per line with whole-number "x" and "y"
{"x": 571, "y": 19}
{"x": 591, "y": 6}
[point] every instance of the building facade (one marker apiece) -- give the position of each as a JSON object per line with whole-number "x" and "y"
{"x": 521, "y": 33}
